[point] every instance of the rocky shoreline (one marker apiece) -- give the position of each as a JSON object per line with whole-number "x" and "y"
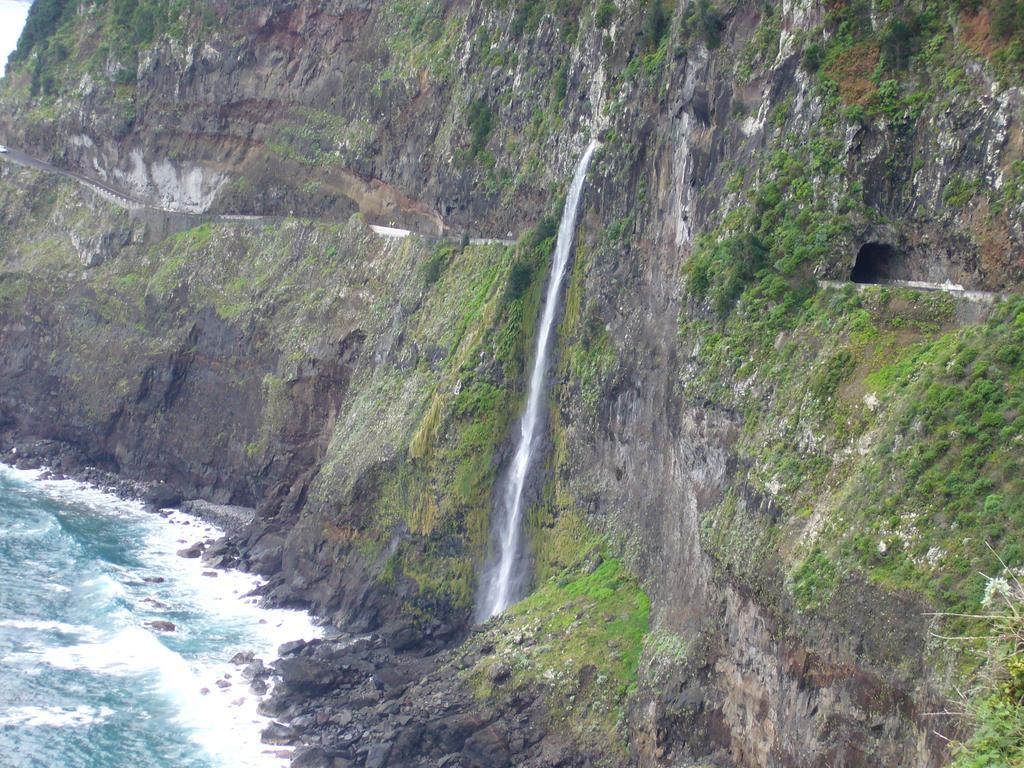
{"x": 387, "y": 698}
{"x": 360, "y": 703}
{"x": 62, "y": 460}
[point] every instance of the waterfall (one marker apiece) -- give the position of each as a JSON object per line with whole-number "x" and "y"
{"x": 503, "y": 579}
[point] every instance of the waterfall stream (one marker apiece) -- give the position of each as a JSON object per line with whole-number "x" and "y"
{"x": 503, "y": 579}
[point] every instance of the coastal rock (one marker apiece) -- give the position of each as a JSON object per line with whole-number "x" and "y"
{"x": 377, "y": 757}
{"x": 305, "y": 675}
{"x": 278, "y": 734}
{"x": 254, "y": 669}
{"x": 312, "y": 757}
{"x": 487, "y": 748}
{"x": 291, "y": 647}
{"x": 161, "y": 625}
{"x": 229, "y": 518}
{"x": 161, "y": 496}
{"x": 193, "y": 551}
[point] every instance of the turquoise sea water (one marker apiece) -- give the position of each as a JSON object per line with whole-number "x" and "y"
{"x": 84, "y": 682}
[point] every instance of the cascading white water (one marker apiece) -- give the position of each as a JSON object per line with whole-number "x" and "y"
{"x": 503, "y": 579}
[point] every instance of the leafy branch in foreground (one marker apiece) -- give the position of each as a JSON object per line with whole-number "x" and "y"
{"x": 995, "y": 711}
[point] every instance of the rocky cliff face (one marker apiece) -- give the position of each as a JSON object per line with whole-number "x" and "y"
{"x": 795, "y": 473}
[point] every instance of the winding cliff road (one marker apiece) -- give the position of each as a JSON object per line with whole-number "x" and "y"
{"x": 120, "y": 198}
{"x": 105, "y": 191}
{"x": 982, "y": 297}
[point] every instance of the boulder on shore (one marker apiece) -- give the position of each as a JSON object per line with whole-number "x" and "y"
{"x": 193, "y": 551}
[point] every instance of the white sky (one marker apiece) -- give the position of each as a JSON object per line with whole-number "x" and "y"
{"x": 12, "y": 19}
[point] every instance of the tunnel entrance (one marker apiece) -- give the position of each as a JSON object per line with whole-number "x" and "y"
{"x": 877, "y": 263}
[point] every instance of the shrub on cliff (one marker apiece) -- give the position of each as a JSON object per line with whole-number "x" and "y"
{"x": 480, "y": 120}
{"x": 998, "y": 714}
{"x": 705, "y": 20}
{"x": 43, "y": 19}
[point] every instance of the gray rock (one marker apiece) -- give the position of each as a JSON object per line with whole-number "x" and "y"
{"x": 343, "y": 718}
{"x": 312, "y": 757}
{"x": 377, "y": 757}
{"x": 304, "y": 675}
{"x": 254, "y": 670}
{"x": 279, "y": 734}
{"x": 193, "y": 551}
{"x": 292, "y": 646}
{"x": 228, "y": 517}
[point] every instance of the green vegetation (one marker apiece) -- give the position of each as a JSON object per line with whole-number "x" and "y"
{"x": 424, "y": 35}
{"x": 529, "y": 13}
{"x": 793, "y": 221}
{"x": 435, "y": 265}
{"x": 481, "y": 308}
{"x": 577, "y": 642}
{"x": 320, "y": 139}
{"x": 605, "y": 14}
{"x": 740, "y": 544}
{"x": 703, "y": 20}
{"x": 959, "y": 191}
{"x": 997, "y": 709}
{"x": 953, "y": 465}
{"x": 57, "y": 47}
{"x": 44, "y": 17}
{"x": 480, "y": 120}
{"x": 761, "y": 51}
{"x": 657, "y": 19}
{"x": 587, "y": 354}
{"x": 998, "y": 738}
{"x": 813, "y": 581}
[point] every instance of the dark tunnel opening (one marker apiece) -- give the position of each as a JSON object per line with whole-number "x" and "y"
{"x": 876, "y": 263}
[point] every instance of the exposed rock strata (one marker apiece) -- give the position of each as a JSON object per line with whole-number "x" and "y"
{"x": 218, "y": 407}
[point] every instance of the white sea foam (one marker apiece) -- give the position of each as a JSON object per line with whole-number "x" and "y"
{"x": 130, "y": 651}
{"x": 101, "y": 587}
{"x": 223, "y": 721}
{"x": 27, "y": 533}
{"x": 54, "y": 717}
{"x": 41, "y": 625}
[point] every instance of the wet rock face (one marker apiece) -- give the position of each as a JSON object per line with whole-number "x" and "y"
{"x": 756, "y": 686}
{"x": 95, "y": 250}
{"x": 759, "y": 685}
{"x": 172, "y": 423}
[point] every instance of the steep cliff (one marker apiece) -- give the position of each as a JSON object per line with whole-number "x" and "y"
{"x": 773, "y": 460}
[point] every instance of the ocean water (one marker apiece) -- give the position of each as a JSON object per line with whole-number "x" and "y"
{"x": 84, "y": 682}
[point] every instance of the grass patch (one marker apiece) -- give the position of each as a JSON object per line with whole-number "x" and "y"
{"x": 577, "y": 642}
